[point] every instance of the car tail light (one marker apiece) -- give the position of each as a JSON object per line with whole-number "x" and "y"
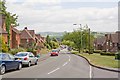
{"x": 25, "y": 58}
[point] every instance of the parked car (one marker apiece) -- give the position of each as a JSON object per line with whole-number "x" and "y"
{"x": 54, "y": 53}
{"x": 27, "y": 58}
{"x": 8, "y": 62}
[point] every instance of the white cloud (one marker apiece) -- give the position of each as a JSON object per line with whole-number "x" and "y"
{"x": 56, "y": 18}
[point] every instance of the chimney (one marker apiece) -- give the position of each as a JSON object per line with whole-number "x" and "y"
{"x": 25, "y": 28}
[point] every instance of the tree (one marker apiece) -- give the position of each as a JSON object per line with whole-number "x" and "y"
{"x": 80, "y": 38}
{"x": 9, "y": 19}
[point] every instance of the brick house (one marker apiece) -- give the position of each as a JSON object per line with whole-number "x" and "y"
{"x": 108, "y": 42}
{"x": 14, "y": 34}
{"x": 3, "y": 31}
{"x": 40, "y": 42}
{"x": 27, "y": 38}
{"x": 15, "y": 38}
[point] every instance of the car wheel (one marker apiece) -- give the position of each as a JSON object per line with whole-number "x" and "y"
{"x": 36, "y": 62}
{"x": 29, "y": 64}
{"x": 19, "y": 66}
{"x": 2, "y": 70}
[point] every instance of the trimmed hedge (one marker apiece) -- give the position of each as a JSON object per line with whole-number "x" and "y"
{"x": 107, "y": 53}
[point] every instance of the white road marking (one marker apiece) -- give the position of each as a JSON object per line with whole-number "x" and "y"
{"x": 90, "y": 72}
{"x": 53, "y": 70}
{"x": 69, "y": 58}
{"x": 62, "y": 65}
{"x": 65, "y": 63}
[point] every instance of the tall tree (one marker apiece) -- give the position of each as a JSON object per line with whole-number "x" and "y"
{"x": 10, "y": 19}
{"x": 80, "y": 38}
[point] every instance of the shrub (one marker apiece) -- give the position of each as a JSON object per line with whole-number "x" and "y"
{"x": 107, "y": 53}
{"x": 29, "y": 50}
{"x": 3, "y": 45}
{"x": 85, "y": 50}
{"x": 14, "y": 51}
{"x": 74, "y": 52}
{"x": 34, "y": 51}
{"x": 97, "y": 51}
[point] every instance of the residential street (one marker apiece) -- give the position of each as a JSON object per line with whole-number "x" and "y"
{"x": 62, "y": 66}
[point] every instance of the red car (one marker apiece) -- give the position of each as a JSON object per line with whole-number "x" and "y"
{"x": 54, "y": 53}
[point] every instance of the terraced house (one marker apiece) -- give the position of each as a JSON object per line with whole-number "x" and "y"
{"x": 25, "y": 38}
{"x": 108, "y": 42}
{"x": 29, "y": 39}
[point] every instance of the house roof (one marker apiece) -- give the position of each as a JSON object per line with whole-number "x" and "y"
{"x": 32, "y": 33}
{"x": 39, "y": 37}
{"x": 2, "y": 31}
{"x": 26, "y": 35}
{"x": 114, "y": 38}
{"x": 15, "y": 30}
{"x": 100, "y": 40}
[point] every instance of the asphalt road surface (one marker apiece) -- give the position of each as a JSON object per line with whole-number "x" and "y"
{"x": 62, "y": 66}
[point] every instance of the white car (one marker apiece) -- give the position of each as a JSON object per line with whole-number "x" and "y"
{"x": 27, "y": 58}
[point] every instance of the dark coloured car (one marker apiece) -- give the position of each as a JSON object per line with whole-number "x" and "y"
{"x": 8, "y": 62}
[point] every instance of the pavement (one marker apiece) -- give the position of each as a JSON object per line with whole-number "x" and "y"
{"x": 62, "y": 66}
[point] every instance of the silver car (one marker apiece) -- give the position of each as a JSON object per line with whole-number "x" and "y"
{"x": 27, "y": 58}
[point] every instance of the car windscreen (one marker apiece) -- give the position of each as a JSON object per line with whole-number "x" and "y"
{"x": 2, "y": 56}
{"x": 54, "y": 50}
{"x": 21, "y": 54}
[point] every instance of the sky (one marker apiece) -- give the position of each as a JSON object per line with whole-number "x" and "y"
{"x": 60, "y": 15}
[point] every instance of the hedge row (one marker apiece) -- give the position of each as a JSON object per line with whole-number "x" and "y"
{"x": 107, "y": 53}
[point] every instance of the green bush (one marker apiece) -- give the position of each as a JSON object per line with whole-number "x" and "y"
{"x": 29, "y": 50}
{"x": 97, "y": 51}
{"x": 117, "y": 56}
{"x": 32, "y": 50}
{"x": 85, "y": 50}
{"x": 14, "y": 51}
{"x": 3, "y": 45}
{"x": 107, "y": 53}
{"x": 74, "y": 52}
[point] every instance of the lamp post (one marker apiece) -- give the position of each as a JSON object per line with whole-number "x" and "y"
{"x": 80, "y": 34}
{"x": 89, "y": 40}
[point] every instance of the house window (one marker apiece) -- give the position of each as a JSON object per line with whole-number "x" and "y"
{"x": 107, "y": 43}
{"x": 110, "y": 43}
{"x": 107, "y": 49}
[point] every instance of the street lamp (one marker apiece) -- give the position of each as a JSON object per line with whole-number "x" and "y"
{"x": 89, "y": 41}
{"x": 80, "y": 33}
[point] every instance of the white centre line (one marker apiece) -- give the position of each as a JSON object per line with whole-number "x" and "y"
{"x": 59, "y": 68}
{"x": 90, "y": 72}
{"x": 65, "y": 63}
{"x": 53, "y": 70}
{"x": 69, "y": 58}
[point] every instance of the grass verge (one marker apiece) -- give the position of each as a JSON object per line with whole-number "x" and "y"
{"x": 100, "y": 60}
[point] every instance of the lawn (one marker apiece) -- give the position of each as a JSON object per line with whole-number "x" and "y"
{"x": 100, "y": 60}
